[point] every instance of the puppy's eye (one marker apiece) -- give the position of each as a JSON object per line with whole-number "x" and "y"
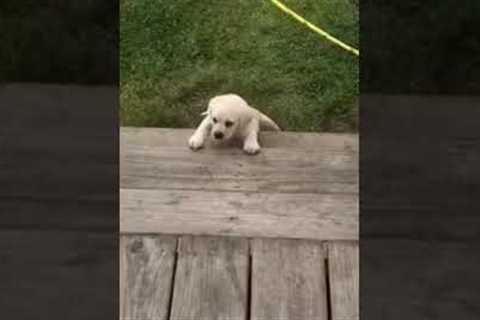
{"x": 228, "y": 124}
{"x": 214, "y": 120}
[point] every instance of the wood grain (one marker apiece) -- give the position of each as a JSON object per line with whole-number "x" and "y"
{"x": 328, "y": 170}
{"x": 343, "y": 269}
{"x": 211, "y": 279}
{"x": 164, "y": 137}
{"x": 146, "y": 273}
{"x": 288, "y": 280}
{"x": 304, "y": 185}
{"x": 315, "y": 216}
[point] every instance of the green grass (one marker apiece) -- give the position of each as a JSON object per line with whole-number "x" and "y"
{"x": 175, "y": 55}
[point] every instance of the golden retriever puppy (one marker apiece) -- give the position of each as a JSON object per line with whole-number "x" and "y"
{"x": 230, "y": 117}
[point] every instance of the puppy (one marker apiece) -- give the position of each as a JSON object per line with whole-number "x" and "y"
{"x": 229, "y": 117}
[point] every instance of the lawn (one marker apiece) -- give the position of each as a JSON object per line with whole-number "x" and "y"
{"x": 175, "y": 55}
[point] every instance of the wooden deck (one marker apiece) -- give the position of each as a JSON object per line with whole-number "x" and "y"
{"x": 217, "y": 234}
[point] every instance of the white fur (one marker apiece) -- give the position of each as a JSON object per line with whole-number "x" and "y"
{"x": 232, "y": 118}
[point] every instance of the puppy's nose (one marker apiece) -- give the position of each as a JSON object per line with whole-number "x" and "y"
{"x": 218, "y": 135}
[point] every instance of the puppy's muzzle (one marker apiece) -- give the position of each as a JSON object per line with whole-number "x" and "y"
{"x": 218, "y": 135}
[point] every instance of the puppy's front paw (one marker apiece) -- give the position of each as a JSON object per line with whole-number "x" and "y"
{"x": 195, "y": 142}
{"x": 251, "y": 148}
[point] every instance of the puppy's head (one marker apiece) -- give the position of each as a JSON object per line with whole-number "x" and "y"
{"x": 224, "y": 120}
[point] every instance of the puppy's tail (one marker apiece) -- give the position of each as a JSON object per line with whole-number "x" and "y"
{"x": 268, "y": 124}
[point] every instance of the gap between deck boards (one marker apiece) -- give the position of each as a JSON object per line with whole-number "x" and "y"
{"x": 191, "y": 278}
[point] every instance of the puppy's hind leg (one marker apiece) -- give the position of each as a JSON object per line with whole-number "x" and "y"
{"x": 197, "y": 140}
{"x": 250, "y": 144}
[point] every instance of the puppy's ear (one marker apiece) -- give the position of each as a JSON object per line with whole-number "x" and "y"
{"x": 206, "y": 112}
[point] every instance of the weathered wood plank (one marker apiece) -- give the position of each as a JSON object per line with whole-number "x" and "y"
{"x": 211, "y": 279}
{"x": 146, "y": 272}
{"x": 163, "y": 137}
{"x": 327, "y": 216}
{"x": 343, "y": 269}
{"x": 288, "y": 280}
{"x": 326, "y": 170}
